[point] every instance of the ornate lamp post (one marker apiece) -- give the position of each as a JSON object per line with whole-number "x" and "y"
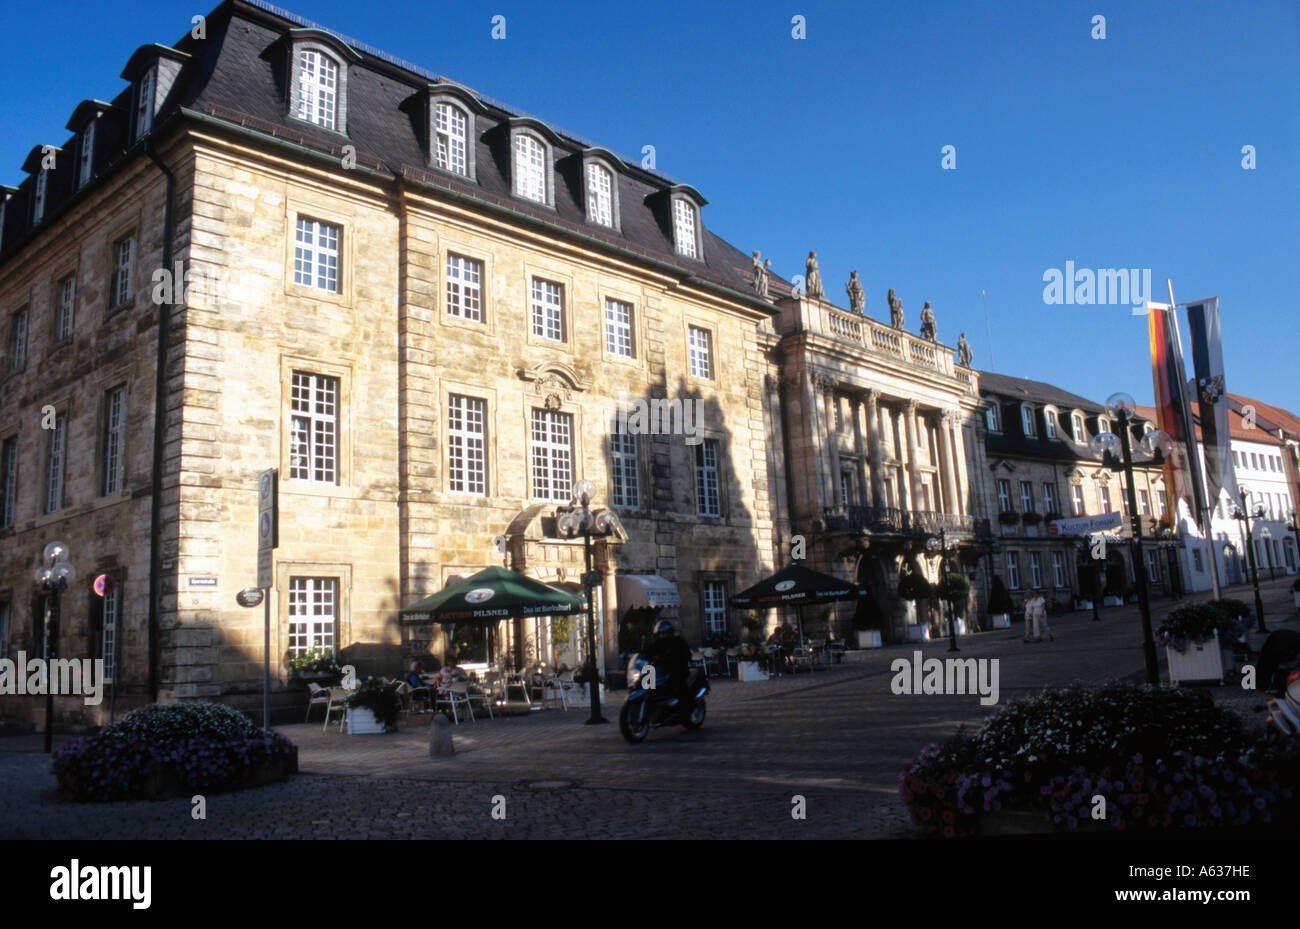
{"x": 1158, "y": 445}
{"x": 936, "y": 545}
{"x": 581, "y": 521}
{"x": 53, "y": 576}
{"x": 1242, "y": 514}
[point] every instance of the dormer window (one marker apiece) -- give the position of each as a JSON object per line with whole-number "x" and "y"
{"x": 316, "y": 77}
{"x": 991, "y": 417}
{"x": 86, "y": 156}
{"x": 600, "y": 195}
{"x": 1076, "y": 428}
{"x": 685, "y": 224}
{"x": 1102, "y": 425}
{"x": 145, "y": 94}
{"x": 38, "y": 195}
{"x": 451, "y": 129}
{"x": 1049, "y": 417}
{"x": 530, "y": 167}
{"x": 1027, "y": 419}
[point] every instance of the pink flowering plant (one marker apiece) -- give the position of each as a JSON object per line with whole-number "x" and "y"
{"x": 1161, "y": 758}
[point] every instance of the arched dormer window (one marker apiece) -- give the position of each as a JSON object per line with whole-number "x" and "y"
{"x": 532, "y": 161}
{"x": 1103, "y": 425}
{"x": 451, "y": 112}
{"x": 1051, "y": 422}
{"x": 1027, "y": 420}
{"x": 318, "y": 78}
{"x": 41, "y": 162}
{"x": 451, "y": 138}
{"x": 686, "y": 228}
{"x": 1077, "y": 430}
{"x": 153, "y": 70}
{"x": 84, "y": 122}
{"x": 992, "y": 415}
{"x": 600, "y": 186}
{"x": 40, "y": 188}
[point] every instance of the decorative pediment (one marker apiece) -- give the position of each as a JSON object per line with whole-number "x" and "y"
{"x": 1003, "y": 464}
{"x": 1074, "y": 476}
{"x": 554, "y": 381}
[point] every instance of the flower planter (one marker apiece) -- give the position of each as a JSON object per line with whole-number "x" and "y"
{"x": 1111, "y": 601}
{"x": 362, "y": 722}
{"x": 869, "y": 638}
{"x": 1203, "y": 662}
{"x": 1001, "y": 620}
{"x": 750, "y": 671}
{"x": 918, "y": 633}
{"x": 1083, "y": 604}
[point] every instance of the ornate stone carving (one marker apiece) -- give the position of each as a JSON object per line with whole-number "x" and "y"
{"x": 929, "y": 327}
{"x": 813, "y": 277}
{"x": 823, "y": 381}
{"x": 760, "y": 274}
{"x": 964, "y": 355}
{"x": 857, "y": 296}
{"x": 895, "y": 310}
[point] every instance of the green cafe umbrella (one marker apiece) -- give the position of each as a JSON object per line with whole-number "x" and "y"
{"x": 796, "y": 585}
{"x": 492, "y": 594}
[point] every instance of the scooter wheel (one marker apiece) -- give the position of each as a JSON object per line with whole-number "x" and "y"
{"x": 696, "y": 719}
{"x": 634, "y": 721}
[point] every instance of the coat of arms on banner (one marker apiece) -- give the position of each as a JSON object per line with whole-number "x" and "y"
{"x": 1211, "y": 389}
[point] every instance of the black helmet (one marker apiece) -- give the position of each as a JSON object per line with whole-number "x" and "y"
{"x": 664, "y": 627}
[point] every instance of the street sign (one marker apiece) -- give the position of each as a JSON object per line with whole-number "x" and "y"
{"x": 268, "y": 524}
{"x": 1083, "y": 525}
{"x": 249, "y": 596}
{"x": 203, "y": 582}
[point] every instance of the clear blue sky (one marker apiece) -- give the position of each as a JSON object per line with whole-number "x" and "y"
{"x": 1122, "y": 152}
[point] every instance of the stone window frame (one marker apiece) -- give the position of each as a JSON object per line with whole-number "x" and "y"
{"x": 8, "y": 505}
{"x": 1027, "y": 505}
{"x": 301, "y": 205}
{"x": 62, "y": 412}
{"x": 1054, "y": 505}
{"x": 547, "y": 139}
{"x": 338, "y": 52}
{"x": 345, "y": 466}
{"x": 622, "y": 293}
{"x": 606, "y": 161}
{"x": 342, "y": 572}
{"x": 318, "y": 253}
{"x": 102, "y": 439}
{"x": 60, "y": 277}
{"x": 695, "y": 321}
{"x": 119, "y": 237}
{"x": 1006, "y": 503}
{"x": 563, "y": 276}
{"x": 442, "y": 484}
{"x": 727, "y": 579}
{"x": 97, "y": 630}
{"x": 485, "y": 257}
{"x": 639, "y": 470}
{"x": 1013, "y": 571}
{"x": 1060, "y": 575}
{"x": 719, "y": 439}
{"x": 18, "y": 341}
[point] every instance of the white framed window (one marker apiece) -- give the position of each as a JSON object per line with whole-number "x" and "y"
{"x": 67, "y": 308}
{"x": 465, "y": 288}
{"x": 18, "y": 340}
{"x": 714, "y": 597}
{"x": 144, "y": 101}
{"x": 684, "y": 226}
{"x": 467, "y": 445}
{"x": 1036, "y": 570}
{"x": 1153, "y": 565}
{"x": 1027, "y": 418}
{"x": 451, "y": 129}
{"x": 600, "y": 195}
{"x": 1004, "y": 495}
{"x": 1049, "y": 499}
{"x": 1144, "y": 502}
{"x": 114, "y": 431}
{"x": 707, "y": 500}
{"x": 1076, "y": 428}
{"x": 1026, "y": 497}
{"x": 618, "y": 328}
{"x": 1013, "y": 570}
{"x": 4, "y": 628}
{"x": 991, "y": 417}
{"x": 1049, "y": 417}
{"x": 1162, "y": 501}
{"x": 1076, "y": 499}
{"x": 552, "y": 453}
{"x": 8, "y": 480}
{"x": 318, "y": 88}
{"x": 1123, "y": 502}
{"x": 86, "y": 155}
{"x": 548, "y": 310}
{"x": 314, "y": 416}
{"x": 1103, "y": 497}
{"x": 316, "y": 254}
{"x": 38, "y": 195}
{"x": 530, "y": 167}
{"x": 701, "y": 352}
{"x": 1058, "y": 569}
{"x": 625, "y": 489}
{"x": 846, "y": 487}
{"x": 313, "y": 613}
{"x": 123, "y": 269}
{"x": 112, "y": 608}
{"x": 1103, "y": 425}
{"x": 55, "y": 456}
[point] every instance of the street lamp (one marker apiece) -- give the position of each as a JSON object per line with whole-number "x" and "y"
{"x": 1242, "y": 514}
{"x": 53, "y": 575}
{"x": 587, "y": 524}
{"x": 937, "y": 545}
{"x": 1158, "y": 445}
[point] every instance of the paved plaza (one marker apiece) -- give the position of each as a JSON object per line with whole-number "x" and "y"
{"x": 837, "y": 737}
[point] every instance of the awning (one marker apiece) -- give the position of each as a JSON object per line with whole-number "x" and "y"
{"x": 641, "y": 591}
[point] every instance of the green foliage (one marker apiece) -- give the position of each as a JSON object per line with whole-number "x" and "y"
{"x": 315, "y": 660}
{"x": 999, "y": 598}
{"x": 953, "y": 587}
{"x": 160, "y": 723}
{"x": 913, "y": 586}
{"x": 380, "y": 698}
{"x": 561, "y": 627}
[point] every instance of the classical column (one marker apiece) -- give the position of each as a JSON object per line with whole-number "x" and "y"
{"x": 821, "y": 429}
{"x": 946, "y": 465}
{"x": 914, "y": 476}
{"x": 873, "y": 448}
{"x": 833, "y": 435}
{"x": 960, "y": 476}
{"x": 855, "y": 405}
{"x": 896, "y": 431}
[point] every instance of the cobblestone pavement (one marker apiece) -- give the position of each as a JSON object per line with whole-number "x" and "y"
{"x": 837, "y": 737}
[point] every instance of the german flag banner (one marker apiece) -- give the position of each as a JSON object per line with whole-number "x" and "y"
{"x": 1166, "y": 365}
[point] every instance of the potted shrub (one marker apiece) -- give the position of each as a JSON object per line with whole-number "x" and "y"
{"x": 1031, "y": 518}
{"x": 1008, "y": 517}
{"x": 373, "y": 707}
{"x": 868, "y": 621}
{"x": 1190, "y": 637}
{"x": 316, "y": 664}
{"x": 1000, "y": 605}
{"x": 913, "y": 587}
{"x": 954, "y": 588}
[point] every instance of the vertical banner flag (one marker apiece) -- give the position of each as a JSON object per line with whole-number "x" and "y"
{"x": 1166, "y": 358}
{"x": 1212, "y": 397}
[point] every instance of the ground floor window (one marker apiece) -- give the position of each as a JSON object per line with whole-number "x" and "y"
{"x": 1058, "y": 569}
{"x": 714, "y": 595}
{"x": 1013, "y": 570}
{"x": 1153, "y": 566}
{"x": 313, "y": 613}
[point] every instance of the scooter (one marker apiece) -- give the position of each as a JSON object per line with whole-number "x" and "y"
{"x": 1279, "y": 670}
{"x": 649, "y": 704}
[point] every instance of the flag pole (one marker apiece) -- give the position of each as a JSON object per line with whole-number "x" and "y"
{"x": 1200, "y": 510}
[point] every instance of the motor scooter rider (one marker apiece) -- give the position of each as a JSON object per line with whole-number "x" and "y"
{"x": 669, "y": 653}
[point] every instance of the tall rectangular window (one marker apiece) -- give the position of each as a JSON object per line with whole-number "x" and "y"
{"x": 467, "y": 445}
{"x": 67, "y": 306}
{"x": 1076, "y": 426}
{"x": 316, "y": 255}
{"x": 530, "y": 168}
{"x": 313, "y": 613}
{"x": 1103, "y": 497}
{"x": 625, "y": 490}
{"x": 701, "y": 351}
{"x": 1153, "y": 565}
{"x": 600, "y": 196}
{"x": 1036, "y": 570}
{"x": 1013, "y": 570}
{"x": 465, "y": 288}
{"x": 1049, "y": 417}
{"x": 1058, "y": 569}
{"x": 1026, "y": 497}
{"x": 450, "y": 124}
{"x": 618, "y": 328}
{"x": 38, "y": 196}
{"x": 123, "y": 266}
{"x": 1027, "y": 419}
{"x": 313, "y": 434}
{"x": 144, "y": 102}
{"x": 86, "y": 156}
{"x": 1076, "y": 499}
{"x": 1144, "y": 502}
{"x": 18, "y": 340}
{"x": 1049, "y": 498}
{"x": 56, "y": 452}
{"x": 108, "y": 631}
{"x": 1004, "y": 495}
{"x": 708, "y": 502}
{"x": 684, "y": 227}
{"x": 548, "y": 310}
{"x": 846, "y": 487}
{"x": 318, "y": 82}
{"x": 1162, "y": 500}
{"x": 714, "y": 595}
{"x": 991, "y": 417}
{"x": 114, "y": 423}
{"x": 552, "y": 451}
{"x": 8, "y": 480}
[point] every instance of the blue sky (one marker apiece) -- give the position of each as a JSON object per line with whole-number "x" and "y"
{"x": 1115, "y": 153}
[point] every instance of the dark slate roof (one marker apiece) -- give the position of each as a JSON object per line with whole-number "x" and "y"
{"x": 238, "y": 75}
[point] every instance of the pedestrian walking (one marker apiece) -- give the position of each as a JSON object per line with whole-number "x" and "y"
{"x": 1036, "y": 618}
